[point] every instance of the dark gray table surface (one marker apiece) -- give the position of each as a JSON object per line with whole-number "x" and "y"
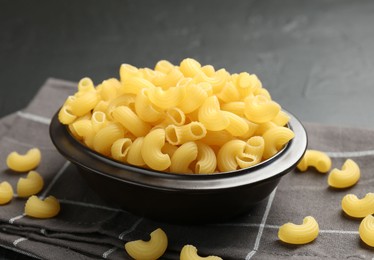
{"x": 315, "y": 57}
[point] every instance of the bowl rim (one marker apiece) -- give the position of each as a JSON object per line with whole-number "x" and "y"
{"x": 89, "y": 160}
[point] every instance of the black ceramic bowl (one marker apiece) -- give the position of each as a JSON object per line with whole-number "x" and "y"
{"x": 180, "y": 197}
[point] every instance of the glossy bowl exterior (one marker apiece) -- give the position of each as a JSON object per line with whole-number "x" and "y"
{"x": 180, "y": 197}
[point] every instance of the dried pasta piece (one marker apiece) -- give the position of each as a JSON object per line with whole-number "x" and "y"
{"x": 6, "y": 192}
{"x": 299, "y": 234}
{"x": 25, "y": 162}
{"x": 275, "y": 139}
{"x": 346, "y": 177}
{"x": 148, "y": 250}
{"x": 151, "y": 150}
{"x": 227, "y": 155}
{"x": 30, "y": 185}
{"x": 189, "y": 252}
{"x": 120, "y": 149}
{"x": 211, "y": 115}
{"x": 358, "y": 208}
{"x": 177, "y": 135}
{"x": 366, "y": 230}
{"x": 206, "y": 161}
{"x": 183, "y": 157}
{"x": 260, "y": 109}
{"x": 38, "y": 208}
{"x": 317, "y": 159}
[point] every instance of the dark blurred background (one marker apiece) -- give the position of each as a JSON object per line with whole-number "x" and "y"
{"x": 315, "y": 57}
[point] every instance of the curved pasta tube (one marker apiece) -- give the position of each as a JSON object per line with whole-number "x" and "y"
{"x": 110, "y": 89}
{"x": 299, "y": 234}
{"x": 134, "y": 85}
{"x": 366, "y": 230}
{"x": 148, "y": 250}
{"x": 131, "y": 121}
{"x": 134, "y": 154}
{"x": 217, "y": 138}
{"x": 6, "y": 192}
{"x": 217, "y": 80}
{"x": 65, "y": 115}
{"x": 226, "y": 158}
{"x": 84, "y": 103}
{"x": 24, "y": 163}
{"x": 177, "y": 135}
{"x": 195, "y": 98}
{"x": 86, "y": 84}
{"x": 30, "y": 185}
{"x": 98, "y": 120}
{"x": 189, "y": 252}
{"x": 38, "y": 208}
{"x": 275, "y": 138}
{"x": 146, "y": 110}
{"x": 236, "y": 107}
{"x": 168, "y": 80}
{"x": 317, "y": 159}
{"x": 127, "y": 100}
{"x": 173, "y": 116}
{"x": 247, "y": 84}
{"x": 211, "y": 115}
{"x": 164, "y": 66}
{"x": 346, "y": 177}
{"x": 206, "y": 160}
{"x": 120, "y": 149}
{"x": 127, "y": 71}
{"x": 281, "y": 118}
{"x": 253, "y": 152}
{"x": 183, "y": 157}
{"x": 190, "y": 67}
{"x": 260, "y": 109}
{"x": 229, "y": 93}
{"x": 166, "y": 99}
{"x": 238, "y": 126}
{"x": 208, "y": 70}
{"x": 358, "y": 208}
{"x": 104, "y": 139}
{"x": 151, "y": 150}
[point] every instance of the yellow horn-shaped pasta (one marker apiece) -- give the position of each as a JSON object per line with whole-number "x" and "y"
{"x": 131, "y": 121}
{"x": 85, "y": 84}
{"x": 165, "y": 99}
{"x": 134, "y": 85}
{"x": 358, "y": 208}
{"x": 182, "y": 158}
{"x": 30, "y": 185}
{"x": 228, "y": 153}
{"x": 190, "y": 67}
{"x": 134, "y": 154}
{"x": 299, "y": 234}
{"x": 260, "y": 109}
{"x": 148, "y": 250}
{"x": 238, "y": 126}
{"x": 164, "y": 66}
{"x": 346, "y": 177}
{"x": 104, "y": 139}
{"x": 177, "y": 135}
{"x": 206, "y": 161}
{"x": 65, "y": 115}
{"x": 195, "y": 98}
{"x": 38, "y": 208}
{"x": 84, "y": 102}
{"x": 275, "y": 138}
{"x": 317, "y": 159}
{"x": 145, "y": 109}
{"x": 189, "y": 252}
{"x": 151, "y": 150}
{"x": 6, "y": 192}
{"x": 120, "y": 148}
{"x": 26, "y": 162}
{"x": 211, "y": 115}
{"x": 366, "y": 230}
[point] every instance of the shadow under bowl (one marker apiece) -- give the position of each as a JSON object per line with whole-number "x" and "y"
{"x": 180, "y": 198}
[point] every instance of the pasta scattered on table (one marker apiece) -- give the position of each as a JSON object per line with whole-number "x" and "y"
{"x": 299, "y": 234}
{"x": 366, "y": 230}
{"x": 148, "y": 250}
{"x": 30, "y": 185}
{"x": 24, "y": 162}
{"x": 39, "y": 208}
{"x": 189, "y": 252}
{"x": 6, "y": 192}
{"x": 346, "y": 177}
{"x": 317, "y": 159}
{"x": 358, "y": 208}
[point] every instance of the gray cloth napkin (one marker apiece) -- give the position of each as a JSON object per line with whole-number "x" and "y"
{"x": 88, "y": 228}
